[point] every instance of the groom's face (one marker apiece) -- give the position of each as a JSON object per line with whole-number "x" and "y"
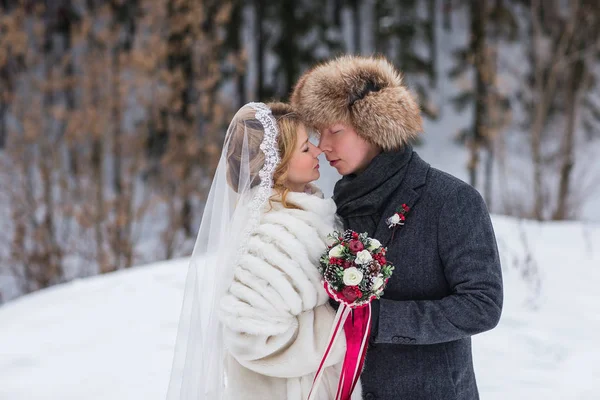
{"x": 345, "y": 150}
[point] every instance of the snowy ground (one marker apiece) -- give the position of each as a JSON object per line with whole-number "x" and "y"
{"x": 111, "y": 337}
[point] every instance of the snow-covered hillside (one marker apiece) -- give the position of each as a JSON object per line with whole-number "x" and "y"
{"x": 111, "y": 337}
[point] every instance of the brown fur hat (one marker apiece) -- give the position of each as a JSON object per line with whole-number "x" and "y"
{"x": 364, "y": 92}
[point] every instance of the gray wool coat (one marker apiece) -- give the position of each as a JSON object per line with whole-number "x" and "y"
{"x": 447, "y": 284}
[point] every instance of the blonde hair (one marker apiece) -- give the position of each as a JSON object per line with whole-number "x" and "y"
{"x": 288, "y": 123}
{"x": 246, "y": 127}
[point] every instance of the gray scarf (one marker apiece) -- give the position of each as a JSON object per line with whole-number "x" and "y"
{"x": 361, "y": 199}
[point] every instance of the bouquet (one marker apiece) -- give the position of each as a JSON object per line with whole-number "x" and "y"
{"x": 354, "y": 268}
{"x": 355, "y": 272}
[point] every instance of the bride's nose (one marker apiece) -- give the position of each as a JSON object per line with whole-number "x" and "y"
{"x": 315, "y": 151}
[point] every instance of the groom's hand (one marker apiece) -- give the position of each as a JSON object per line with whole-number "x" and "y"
{"x": 374, "y": 315}
{"x": 374, "y": 318}
{"x": 334, "y": 304}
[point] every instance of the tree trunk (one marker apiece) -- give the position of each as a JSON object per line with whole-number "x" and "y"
{"x": 180, "y": 64}
{"x": 545, "y": 83}
{"x": 5, "y": 89}
{"x": 356, "y": 17}
{"x": 489, "y": 170}
{"x": 98, "y": 175}
{"x": 97, "y": 170}
{"x": 447, "y": 15}
{"x": 235, "y": 28}
{"x": 49, "y": 252}
{"x": 259, "y": 6}
{"x": 117, "y": 157}
{"x": 567, "y": 153}
{"x": 288, "y": 53}
{"x": 478, "y": 50}
{"x": 380, "y": 38}
{"x": 3, "y": 126}
{"x": 433, "y": 16}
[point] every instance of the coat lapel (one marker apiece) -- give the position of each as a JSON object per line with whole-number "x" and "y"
{"x": 415, "y": 178}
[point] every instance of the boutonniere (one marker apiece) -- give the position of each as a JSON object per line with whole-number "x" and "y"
{"x": 399, "y": 216}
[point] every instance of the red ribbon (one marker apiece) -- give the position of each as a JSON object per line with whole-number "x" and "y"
{"x": 357, "y": 330}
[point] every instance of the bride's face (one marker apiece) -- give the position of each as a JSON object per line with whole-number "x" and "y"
{"x": 345, "y": 150}
{"x": 303, "y": 166}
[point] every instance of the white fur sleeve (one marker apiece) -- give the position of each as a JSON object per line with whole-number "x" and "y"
{"x": 276, "y": 316}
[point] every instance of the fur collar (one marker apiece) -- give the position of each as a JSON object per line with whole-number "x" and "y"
{"x": 311, "y": 201}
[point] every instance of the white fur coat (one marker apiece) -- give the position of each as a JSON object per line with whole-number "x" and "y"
{"x": 276, "y": 317}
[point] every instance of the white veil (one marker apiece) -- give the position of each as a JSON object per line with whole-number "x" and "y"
{"x": 240, "y": 189}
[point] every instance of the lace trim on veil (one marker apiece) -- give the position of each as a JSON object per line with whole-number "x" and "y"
{"x": 269, "y": 148}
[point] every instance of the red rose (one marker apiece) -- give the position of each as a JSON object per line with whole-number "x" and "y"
{"x": 402, "y": 217}
{"x": 351, "y": 293}
{"x": 347, "y": 264}
{"x": 356, "y": 246}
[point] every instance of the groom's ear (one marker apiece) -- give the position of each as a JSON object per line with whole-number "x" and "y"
{"x": 321, "y": 132}
{"x": 314, "y": 136}
{"x": 320, "y": 142}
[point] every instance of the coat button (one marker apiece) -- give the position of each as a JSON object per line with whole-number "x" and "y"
{"x": 370, "y": 396}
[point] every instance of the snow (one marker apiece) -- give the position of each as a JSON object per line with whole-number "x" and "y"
{"x": 112, "y": 336}
{"x": 106, "y": 337}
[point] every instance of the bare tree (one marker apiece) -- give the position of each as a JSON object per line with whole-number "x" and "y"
{"x": 579, "y": 77}
{"x": 562, "y": 46}
{"x": 491, "y": 23}
{"x": 91, "y": 89}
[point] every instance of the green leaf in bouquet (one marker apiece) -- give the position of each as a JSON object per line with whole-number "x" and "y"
{"x": 387, "y": 270}
{"x": 334, "y": 236}
{"x": 364, "y": 238}
{"x": 365, "y": 285}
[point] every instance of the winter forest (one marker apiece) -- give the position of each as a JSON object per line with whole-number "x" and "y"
{"x": 113, "y": 112}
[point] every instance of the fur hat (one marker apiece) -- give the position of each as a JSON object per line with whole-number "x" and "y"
{"x": 364, "y": 92}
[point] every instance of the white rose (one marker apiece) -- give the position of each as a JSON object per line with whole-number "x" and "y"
{"x": 330, "y": 240}
{"x": 395, "y": 219}
{"x": 363, "y": 257}
{"x": 336, "y": 251}
{"x": 377, "y": 283}
{"x": 375, "y": 244}
{"x": 352, "y": 276}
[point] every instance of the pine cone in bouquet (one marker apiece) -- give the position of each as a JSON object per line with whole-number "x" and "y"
{"x": 348, "y": 235}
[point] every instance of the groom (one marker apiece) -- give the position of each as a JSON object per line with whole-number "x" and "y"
{"x": 447, "y": 285}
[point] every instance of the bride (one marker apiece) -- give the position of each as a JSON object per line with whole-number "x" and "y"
{"x": 255, "y": 320}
